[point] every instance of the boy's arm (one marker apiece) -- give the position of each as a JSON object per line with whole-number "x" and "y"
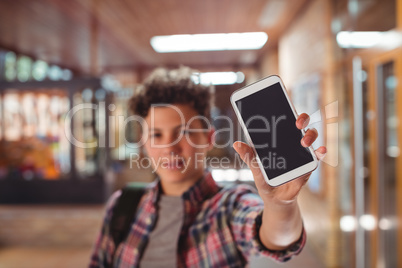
{"x": 246, "y": 225}
{"x": 281, "y": 226}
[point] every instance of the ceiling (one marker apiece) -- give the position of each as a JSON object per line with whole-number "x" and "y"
{"x": 96, "y": 36}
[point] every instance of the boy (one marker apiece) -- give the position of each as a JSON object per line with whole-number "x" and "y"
{"x": 184, "y": 219}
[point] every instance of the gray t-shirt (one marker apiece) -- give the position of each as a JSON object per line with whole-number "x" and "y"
{"x": 161, "y": 250}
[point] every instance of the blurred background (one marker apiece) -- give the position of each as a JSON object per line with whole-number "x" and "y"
{"x": 341, "y": 61}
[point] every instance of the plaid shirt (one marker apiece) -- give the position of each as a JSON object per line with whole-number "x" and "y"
{"x": 220, "y": 229}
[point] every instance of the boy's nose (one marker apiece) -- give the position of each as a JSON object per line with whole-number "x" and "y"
{"x": 171, "y": 150}
{"x": 172, "y": 146}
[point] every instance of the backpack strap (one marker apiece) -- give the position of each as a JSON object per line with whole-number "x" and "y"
{"x": 125, "y": 210}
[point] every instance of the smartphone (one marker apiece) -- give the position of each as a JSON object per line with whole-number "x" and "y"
{"x": 268, "y": 120}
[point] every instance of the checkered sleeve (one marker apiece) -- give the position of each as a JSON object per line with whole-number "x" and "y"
{"x": 246, "y": 222}
{"x": 103, "y": 249}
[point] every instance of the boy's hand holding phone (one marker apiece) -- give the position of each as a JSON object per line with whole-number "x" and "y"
{"x": 287, "y": 192}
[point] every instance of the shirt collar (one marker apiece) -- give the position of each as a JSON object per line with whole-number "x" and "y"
{"x": 203, "y": 189}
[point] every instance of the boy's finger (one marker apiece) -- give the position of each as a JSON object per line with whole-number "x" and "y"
{"x": 302, "y": 121}
{"x": 321, "y": 152}
{"x": 247, "y": 155}
{"x": 309, "y": 138}
{"x": 245, "y": 152}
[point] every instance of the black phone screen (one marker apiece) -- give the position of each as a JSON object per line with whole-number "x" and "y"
{"x": 272, "y": 128}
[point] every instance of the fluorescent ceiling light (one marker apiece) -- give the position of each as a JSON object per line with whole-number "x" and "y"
{"x": 208, "y": 42}
{"x": 218, "y": 78}
{"x": 388, "y": 39}
{"x": 358, "y": 39}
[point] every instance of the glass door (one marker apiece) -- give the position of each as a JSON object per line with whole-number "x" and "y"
{"x": 384, "y": 153}
{"x": 388, "y": 142}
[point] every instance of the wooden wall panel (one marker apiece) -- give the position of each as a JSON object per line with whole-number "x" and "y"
{"x": 302, "y": 49}
{"x": 307, "y": 49}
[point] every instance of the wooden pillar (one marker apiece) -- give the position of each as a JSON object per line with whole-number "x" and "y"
{"x": 94, "y": 40}
{"x": 399, "y": 14}
{"x": 330, "y": 170}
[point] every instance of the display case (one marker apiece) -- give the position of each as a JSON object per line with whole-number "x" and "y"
{"x": 54, "y": 145}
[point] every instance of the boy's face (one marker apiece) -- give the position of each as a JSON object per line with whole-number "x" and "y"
{"x": 176, "y": 142}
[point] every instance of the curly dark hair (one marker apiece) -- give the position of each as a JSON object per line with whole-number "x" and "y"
{"x": 176, "y": 86}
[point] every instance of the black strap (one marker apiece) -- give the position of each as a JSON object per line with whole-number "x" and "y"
{"x": 124, "y": 212}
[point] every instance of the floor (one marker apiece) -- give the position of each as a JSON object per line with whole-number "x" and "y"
{"x": 16, "y": 257}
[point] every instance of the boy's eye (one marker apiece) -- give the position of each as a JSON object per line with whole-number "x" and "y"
{"x": 155, "y": 135}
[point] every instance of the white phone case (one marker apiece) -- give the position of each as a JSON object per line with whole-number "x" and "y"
{"x": 251, "y": 89}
